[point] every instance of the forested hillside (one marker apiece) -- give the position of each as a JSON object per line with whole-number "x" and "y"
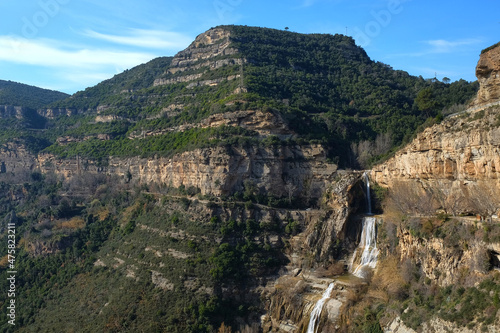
{"x": 18, "y": 94}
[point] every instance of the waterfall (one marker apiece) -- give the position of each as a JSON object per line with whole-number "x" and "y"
{"x": 368, "y": 198}
{"x": 316, "y": 312}
{"x": 368, "y": 242}
{"x": 368, "y": 245}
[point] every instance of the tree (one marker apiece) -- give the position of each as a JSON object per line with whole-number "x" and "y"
{"x": 290, "y": 188}
{"x": 446, "y": 80}
{"x": 426, "y": 100}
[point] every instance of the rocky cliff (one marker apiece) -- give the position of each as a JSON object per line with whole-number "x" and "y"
{"x": 488, "y": 75}
{"x": 210, "y": 51}
{"x": 455, "y": 163}
{"x": 451, "y": 168}
{"x": 280, "y": 171}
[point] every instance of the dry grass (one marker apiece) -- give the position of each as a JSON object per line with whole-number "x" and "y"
{"x": 335, "y": 269}
{"x": 73, "y": 224}
{"x": 128, "y": 213}
{"x": 387, "y": 279}
{"x": 103, "y": 214}
{"x": 4, "y": 261}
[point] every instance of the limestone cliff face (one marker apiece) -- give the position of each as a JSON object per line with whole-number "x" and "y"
{"x": 460, "y": 148}
{"x": 219, "y": 171}
{"x": 54, "y": 113}
{"x": 16, "y": 159}
{"x": 459, "y": 158}
{"x": 488, "y": 75}
{"x": 9, "y": 111}
{"x": 443, "y": 264}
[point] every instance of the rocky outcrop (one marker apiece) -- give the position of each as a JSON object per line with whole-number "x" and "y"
{"x": 338, "y": 226}
{"x": 444, "y": 264}
{"x": 210, "y": 50}
{"x": 488, "y": 75}
{"x": 264, "y": 123}
{"x": 9, "y": 111}
{"x": 457, "y": 162}
{"x": 56, "y": 112}
{"x": 16, "y": 159}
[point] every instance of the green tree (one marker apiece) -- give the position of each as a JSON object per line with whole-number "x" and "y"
{"x": 425, "y": 101}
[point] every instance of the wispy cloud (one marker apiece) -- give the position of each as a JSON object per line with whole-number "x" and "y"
{"x": 69, "y": 67}
{"x": 153, "y": 39}
{"x": 441, "y": 46}
{"x": 446, "y": 46}
{"x": 49, "y": 53}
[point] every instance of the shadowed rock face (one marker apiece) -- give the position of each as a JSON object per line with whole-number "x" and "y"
{"x": 488, "y": 75}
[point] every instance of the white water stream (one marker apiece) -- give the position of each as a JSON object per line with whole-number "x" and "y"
{"x": 368, "y": 245}
{"x": 316, "y": 312}
{"x": 368, "y": 242}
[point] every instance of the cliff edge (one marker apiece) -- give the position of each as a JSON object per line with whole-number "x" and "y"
{"x": 488, "y": 75}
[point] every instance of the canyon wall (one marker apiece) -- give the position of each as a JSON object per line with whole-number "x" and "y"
{"x": 456, "y": 163}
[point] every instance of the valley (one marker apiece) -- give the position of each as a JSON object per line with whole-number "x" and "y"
{"x": 258, "y": 181}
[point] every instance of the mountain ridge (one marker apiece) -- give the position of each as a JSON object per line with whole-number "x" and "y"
{"x": 23, "y": 95}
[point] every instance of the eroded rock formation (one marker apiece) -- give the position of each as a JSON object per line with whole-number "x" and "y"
{"x": 488, "y": 75}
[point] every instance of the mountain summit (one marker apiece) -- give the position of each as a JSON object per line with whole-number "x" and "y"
{"x": 310, "y": 87}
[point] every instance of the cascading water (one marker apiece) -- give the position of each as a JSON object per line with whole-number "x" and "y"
{"x": 368, "y": 198}
{"x": 316, "y": 312}
{"x": 368, "y": 243}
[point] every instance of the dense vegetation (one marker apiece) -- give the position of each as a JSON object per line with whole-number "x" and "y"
{"x": 121, "y": 258}
{"x": 18, "y": 94}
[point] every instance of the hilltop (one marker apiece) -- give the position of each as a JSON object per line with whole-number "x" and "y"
{"x": 314, "y": 87}
{"x": 18, "y": 94}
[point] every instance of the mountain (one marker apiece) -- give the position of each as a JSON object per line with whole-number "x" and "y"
{"x": 220, "y": 191}
{"x": 320, "y": 88}
{"x": 18, "y": 94}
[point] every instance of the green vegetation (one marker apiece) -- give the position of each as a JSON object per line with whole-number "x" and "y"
{"x": 121, "y": 260}
{"x": 18, "y": 94}
{"x": 161, "y": 145}
{"x": 490, "y": 48}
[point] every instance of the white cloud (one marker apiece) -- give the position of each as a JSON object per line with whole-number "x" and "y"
{"x": 153, "y": 39}
{"x": 48, "y": 53}
{"x": 445, "y": 46}
{"x": 441, "y": 46}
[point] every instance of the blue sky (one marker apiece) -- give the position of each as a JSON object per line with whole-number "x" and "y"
{"x": 69, "y": 45}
